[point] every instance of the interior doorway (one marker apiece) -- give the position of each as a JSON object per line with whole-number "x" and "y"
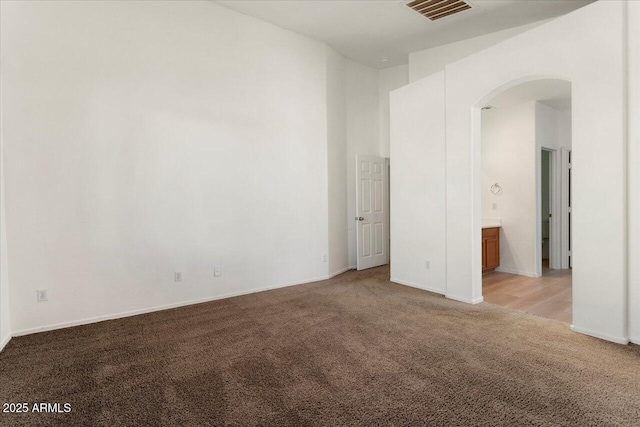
{"x": 549, "y": 206}
{"x": 372, "y": 211}
{"x": 525, "y": 137}
{"x": 545, "y": 206}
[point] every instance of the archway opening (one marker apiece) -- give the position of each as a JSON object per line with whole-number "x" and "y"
{"x": 525, "y": 192}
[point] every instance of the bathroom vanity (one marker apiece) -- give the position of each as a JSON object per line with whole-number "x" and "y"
{"x": 490, "y": 245}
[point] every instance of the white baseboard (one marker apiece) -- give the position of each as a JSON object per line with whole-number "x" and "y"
{"x": 97, "y": 319}
{"x": 518, "y": 272}
{"x": 635, "y": 340}
{"x": 4, "y": 342}
{"x": 465, "y": 300}
{"x": 353, "y": 267}
{"x": 339, "y": 272}
{"x": 618, "y": 340}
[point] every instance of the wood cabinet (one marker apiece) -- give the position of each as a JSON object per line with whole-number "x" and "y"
{"x": 490, "y": 249}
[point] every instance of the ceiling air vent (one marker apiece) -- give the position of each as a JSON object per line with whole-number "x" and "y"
{"x": 438, "y": 9}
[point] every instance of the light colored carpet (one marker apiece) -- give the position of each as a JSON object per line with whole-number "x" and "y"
{"x": 354, "y": 350}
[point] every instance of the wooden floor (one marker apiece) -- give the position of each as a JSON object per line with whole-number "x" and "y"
{"x": 548, "y": 296}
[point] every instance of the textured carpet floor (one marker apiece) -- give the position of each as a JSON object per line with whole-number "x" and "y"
{"x": 354, "y": 350}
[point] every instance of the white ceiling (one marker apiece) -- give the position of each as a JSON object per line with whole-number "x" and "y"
{"x": 368, "y": 30}
{"x": 554, "y": 93}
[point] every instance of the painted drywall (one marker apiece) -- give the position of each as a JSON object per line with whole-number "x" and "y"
{"x": 337, "y": 161}
{"x": 389, "y": 79}
{"x": 183, "y": 137}
{"x": 426, "y": 62}
{"x": 563, "y": 126}
{"x": 418, "y": 182}
{"x": 509, "y": 159}
{"x": 553, "y": 127}
{"x": 363, "y": 133}
{"x": 594, "y": 62}
{"x": 633, "y": 136}
{"x": 5, "y": 319}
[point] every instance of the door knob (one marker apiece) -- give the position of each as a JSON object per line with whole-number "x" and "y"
{"x": 359, "y": 218}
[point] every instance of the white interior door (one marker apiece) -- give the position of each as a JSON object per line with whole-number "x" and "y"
{"x": 372, "y": 191}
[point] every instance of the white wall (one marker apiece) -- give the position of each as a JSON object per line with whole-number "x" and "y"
{"x": 426, "y": 62}
{"x": 337, "y": 161}
{"x": 5, "y": 319}
{"x": 363, "y": 133}
{"x": 389, "y": 79}
{"x": 553, "y": 127}
{"x": 418, "y": 182}
{"x": 594, "y": 62}
{"x": 563, "y": 127}
{"x": 509, "y": 159}
{"x": 633, "y": 76}
{"x": 182, "y": 137}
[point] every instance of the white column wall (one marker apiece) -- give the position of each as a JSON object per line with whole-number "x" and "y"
{"x": 418, "y": 184}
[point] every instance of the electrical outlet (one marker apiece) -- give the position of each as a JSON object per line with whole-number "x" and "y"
{"x": 177, "y": 276}
{"x": 324, "y": 258}
{"x": 495, "y": 206}
{"x": 216, "y": 271}
{"x": 42, "y": 295}
{"x": 427, "y": 265}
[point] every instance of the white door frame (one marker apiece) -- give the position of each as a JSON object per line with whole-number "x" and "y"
{"x": 565, "y": 209}
{"x": 555, "y": 235}
{"x": 554, "y": 225}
